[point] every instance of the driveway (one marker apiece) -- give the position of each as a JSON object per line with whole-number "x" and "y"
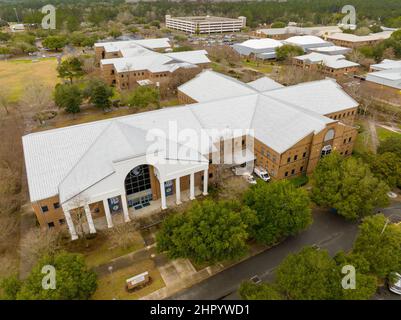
{"x": 328, "y": 230}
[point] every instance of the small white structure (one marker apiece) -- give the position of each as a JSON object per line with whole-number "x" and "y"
{"x": 260, "y": 48}
{"x": 294, "y": 30}
{"x": 334, "y": 62}
{"x": 386, "y": 64}
{"x": 17, "y": 27}
{"x": 331, "y": 50}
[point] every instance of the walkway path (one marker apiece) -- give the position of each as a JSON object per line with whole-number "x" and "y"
{"x": 373, "y": 135}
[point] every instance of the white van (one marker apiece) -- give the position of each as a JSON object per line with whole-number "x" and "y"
{"x": 262, "y": 173}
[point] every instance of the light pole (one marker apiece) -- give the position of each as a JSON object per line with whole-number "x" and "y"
{"x": 389, "y": 220}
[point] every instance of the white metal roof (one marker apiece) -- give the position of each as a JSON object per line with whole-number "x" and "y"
{"x": 333, "y": 61}
{"x": 195, "y": 56}
{"x": 158, "y": 62}
{"x": 209, "y": 85}
{"x": 355, "y": 38}
{"x": 264, "y": 84}
{"x": 114, "y": 46}
{"x": 306, "y": 40}
{"x": 388, "y": 77}
{"x": 331, "y": 50}
{"x": 322, "y": 97}
{"x": 386, "y": 64}
{"x": 261, "y": 43}
{"x": 67, "y": 160}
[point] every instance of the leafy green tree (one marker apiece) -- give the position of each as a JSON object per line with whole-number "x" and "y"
{"x": 264, "y": 291}
{"x": 347, "y": 185}
{"x": 378, "y": 241}
{"x": 99, "y": 94}
{"x": 68, "y": 97}
{"x": 391, "y": 144}
{"x": 278, "y": 24}
{"x": 309, "y": 275}
{"x": 387, "y": 167}
{"x": 70, "y": 68}
{"x": 281, "y": 208}
{"x": 208, "y": 232}
{"x": 365, "y": 283}
{"x": 155, "y": 23}
{"x": 55, "y": 42}
{"x": 143, "y": 97}
{"x": 4, "y": 36}
{"x": 10, "y": 287}
{"x": 115, "y": 33}
{"x": 74, "y": 281}
{"x": 288, "y": 51}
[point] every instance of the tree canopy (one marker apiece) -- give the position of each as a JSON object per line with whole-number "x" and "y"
{"x": 309, "y": 275}
{"x": 74, "y": 281}
{"x": 55, "y": 42}
{"x": 347, "y": 185}
{"x": 378, "y": 242}
{"x": 208, "y": 232}
{"x": 99, "y": 93}
{"x": 70, "y": 68}
{"x": 143, "y": 97}
{"x": 68, "y": 97}
{"x": 281, "y": 208}
{"x": 288, "y": 51}
{"x": 264, "y": 291}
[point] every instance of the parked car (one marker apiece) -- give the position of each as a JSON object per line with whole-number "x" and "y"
{"x": 262, "y": 173}
{"x": 394, "y": 282}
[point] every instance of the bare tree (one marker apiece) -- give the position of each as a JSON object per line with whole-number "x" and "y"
{"x": 35, "y": 244}
{"x": 38, "y": 97}
{"x": 121, "y": 235}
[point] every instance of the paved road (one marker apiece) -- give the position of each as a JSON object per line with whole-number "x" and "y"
{"x": 329, "y": 231}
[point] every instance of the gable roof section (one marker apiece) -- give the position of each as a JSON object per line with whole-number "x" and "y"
{"x": 209, "y": 85}
{"x": 264, "y": 84}
{"x": 322, "y": 97}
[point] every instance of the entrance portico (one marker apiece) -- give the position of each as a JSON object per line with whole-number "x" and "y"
{"x": 133, "y": 206}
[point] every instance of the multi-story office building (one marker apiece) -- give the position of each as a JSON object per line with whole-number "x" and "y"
{"x": 205, "y": 24}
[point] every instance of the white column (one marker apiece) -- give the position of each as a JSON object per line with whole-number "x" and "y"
{"x": 107, "y": 213}
{"x": 192, "y": 186}
{"x": 178, "y": 191}
{"x": 205, "y": 181}
{"x": 70, "y": 224}
{"x": 125, "y": 207}
{"x": 163, "y": 195}
{"x": 89, "y": 219}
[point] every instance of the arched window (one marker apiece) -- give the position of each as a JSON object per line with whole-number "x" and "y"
{"x": 326, "y": 150}
{"x": 329, "y": 135}
{"x": 137, "y": 180}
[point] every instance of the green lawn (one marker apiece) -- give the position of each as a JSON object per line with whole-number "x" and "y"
{"x": 383, "y": 133}
{"x": 363, "y": 142}
{"x": 14, "y": 75}
{"x": 104, "y": 253}
{"x": 258, "y": 66}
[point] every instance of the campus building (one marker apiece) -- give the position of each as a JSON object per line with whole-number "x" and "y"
{"x": 258, "y": 48}
{"x": 384, "y": 81}
{"x": 205, "y": 24}
{"x": 290, "y": 31}
{"x": 353, "y": 41}
{"x": 114, "y": 170}
{"x": 307, "y": 42}
{"x": 330, "y": 65}
{"x": 128, "y": 64}
{"x": 129, "y": 48}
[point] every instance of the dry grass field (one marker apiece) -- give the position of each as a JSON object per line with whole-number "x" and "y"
{"x": 14, "y": 74}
